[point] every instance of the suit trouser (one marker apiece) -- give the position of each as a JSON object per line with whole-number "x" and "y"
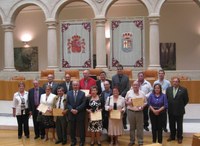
{"x": 61, "y": 128}
{"x": 164, "y": 120}
{"x": 173, "y": 120}
{"x": 38, "y": 126}
{"x": 146, "y": 116}
{"x": 73, "y": 127}
{"x": 105, "y": 117}
{"x": 156, "y": 125}
{"x": 22, "y": 121}
{"x": 136, "y": 123}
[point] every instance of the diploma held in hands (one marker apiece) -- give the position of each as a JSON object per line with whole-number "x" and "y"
{"x": 138, "y": 102}
{"x": 57, "y": 112}
{"x": 42, "y": 108}
{"x": 115, "y": 114}
{"x": 96, "y": 116}
{"x": 86, "y": 92}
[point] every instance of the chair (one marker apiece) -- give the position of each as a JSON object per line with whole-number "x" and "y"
{"x": 129, "y": 73}
{"x": 44, "y": 73}
{"x": 18, "y": 78}
{"x": 151, "y": 74}
{"x": 95, "y": 72}
{"x": 73, "y": 73}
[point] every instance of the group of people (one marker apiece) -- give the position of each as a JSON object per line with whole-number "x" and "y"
{"x": 116, "y": 97}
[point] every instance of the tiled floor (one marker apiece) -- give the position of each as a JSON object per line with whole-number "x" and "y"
{"x": 191, "y": 119}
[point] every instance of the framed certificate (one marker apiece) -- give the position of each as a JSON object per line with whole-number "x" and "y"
{"x": 57, "y": 112}
{"x": 42, "y": 108}
{"x": 86, "y": 92}
{"x": 138, "y": 102}
{"x": 96, "y": 116}
{"x": 115, "y": 114}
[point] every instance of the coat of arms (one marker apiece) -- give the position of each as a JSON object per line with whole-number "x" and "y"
{"x": 127, "y": 42}
{"x": 76, "y": 44}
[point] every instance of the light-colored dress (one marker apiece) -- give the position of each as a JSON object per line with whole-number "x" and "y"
{"x": 115, "y": 126}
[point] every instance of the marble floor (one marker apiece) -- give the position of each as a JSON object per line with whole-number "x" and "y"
{"x": 191, "y": 123}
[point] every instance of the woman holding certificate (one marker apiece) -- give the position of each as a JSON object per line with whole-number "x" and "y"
{"x": 94, "y": 107}
{"x": 47, "y": 100}
{"x": 158, "y": 104}
{"x": 115, "y": 104}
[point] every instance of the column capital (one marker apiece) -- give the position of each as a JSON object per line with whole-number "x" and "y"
{"x": 154, "y": 19}
{"x": 51, "y": 24}
{"x": 8, "y": 27}
{"x": 100, "y": 21}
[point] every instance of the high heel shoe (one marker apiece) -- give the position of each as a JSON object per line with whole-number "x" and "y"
{"x": 99, "y": 143}
{"x": 92, "y": 144}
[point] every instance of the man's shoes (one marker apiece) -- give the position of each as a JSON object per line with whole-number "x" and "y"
{"x": 170, "y": 139}
{"x": 42, "y": 136}
{"x": 81, "y": 144}
{"x": 64, "y": 142}
{"x": 146, "y": 128}
{"x": 165, "y": 130}
{"x": 179, "y": 141}
{"x": 19, "y": 137}
{"x": 36, "y": 137}
{"x": 73, "y": 143}
{"x": 131, "y": 144}
{"x": 58, "y": 141}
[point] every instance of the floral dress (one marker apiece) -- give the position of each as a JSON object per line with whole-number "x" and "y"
{"x": 95, "y": 126}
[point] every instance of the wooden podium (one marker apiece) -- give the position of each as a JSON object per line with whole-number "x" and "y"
{"x": 196, "y": 140}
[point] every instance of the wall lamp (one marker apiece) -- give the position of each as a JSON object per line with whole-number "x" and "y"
{"x": 26, "y": 38}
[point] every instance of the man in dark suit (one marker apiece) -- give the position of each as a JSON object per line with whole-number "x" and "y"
{"x": 76, "y": 107}
{"x": 177, "y": 99}
{"x": 51, "y": 82}
{"x": 33, "y": 101}
{"x": 67, "y": 85}
{"x": 100, "y": 83}
{"x": 122, "y": 82}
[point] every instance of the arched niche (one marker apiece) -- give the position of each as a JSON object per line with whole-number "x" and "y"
{"x": 70, "y": 11}
{"x": 31, "y": 19}
{"x": 129, "y": 9}
{"x": 180, "y": 24}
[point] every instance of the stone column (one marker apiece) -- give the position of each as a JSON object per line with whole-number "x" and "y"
{"x": 100, "y": 43}
{"x": 154, "y": 56}
{"x": 8, "y": 48}
{"x": 52, "y": 45}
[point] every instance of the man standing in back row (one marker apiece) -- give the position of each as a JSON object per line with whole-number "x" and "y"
{"x": 177, "y": 99}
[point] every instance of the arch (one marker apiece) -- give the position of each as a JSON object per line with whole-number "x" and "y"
{"x": 2, "y": 14}
{"x": 17, "y": 7}
{"x": 153, "y": 7}
{"x": 60, "y": 4}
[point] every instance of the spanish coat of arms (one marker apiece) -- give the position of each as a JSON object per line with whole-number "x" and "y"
{"x": 127, "y": 42}
{"x": 76, "y": 44}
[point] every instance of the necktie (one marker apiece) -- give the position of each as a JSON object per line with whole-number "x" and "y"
{"x": 75, "y": 94}
{"x": 174, "y": 92}
{"x": 36, "y": 97}
{"x": 59, "y": 102}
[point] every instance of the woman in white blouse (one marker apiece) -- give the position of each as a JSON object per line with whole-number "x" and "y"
{"x": 115, "y": 127}
{"x": 48, "y": 121}
{"x": 20, "y": 110}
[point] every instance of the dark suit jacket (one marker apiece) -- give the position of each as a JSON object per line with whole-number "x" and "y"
{"x": 79, "y": 105}
{"x": 176, "y": 106}
{"x": 31, "y": 101}
{"x": 123, "y": 85}
{"x": 63, "y": 84}
{"x": 98, "y": 83}
{"x": 54, "y": 87}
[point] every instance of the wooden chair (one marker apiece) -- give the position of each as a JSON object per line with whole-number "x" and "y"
{"x": 95, "y": 72}
{"x": 18, "y": 78}
{"x": 129, "y": 73}
{"x": 151, "y": 74}
{"x": 73, "y": 73}
{"x": 44, "y": 73}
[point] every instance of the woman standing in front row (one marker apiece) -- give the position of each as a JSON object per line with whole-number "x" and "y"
{"x": 20, "y": 110}
{"x": 158, "y": 104}
{"x": 94, "y": 104}
{"x": 48, "y": 121}
{"x": 115, "y": 126}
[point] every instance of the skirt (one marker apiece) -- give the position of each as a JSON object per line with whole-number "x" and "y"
{"x": 48, "y": 122}
{"x": 95, "y": 126}
{"x": 115, "y": 127}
